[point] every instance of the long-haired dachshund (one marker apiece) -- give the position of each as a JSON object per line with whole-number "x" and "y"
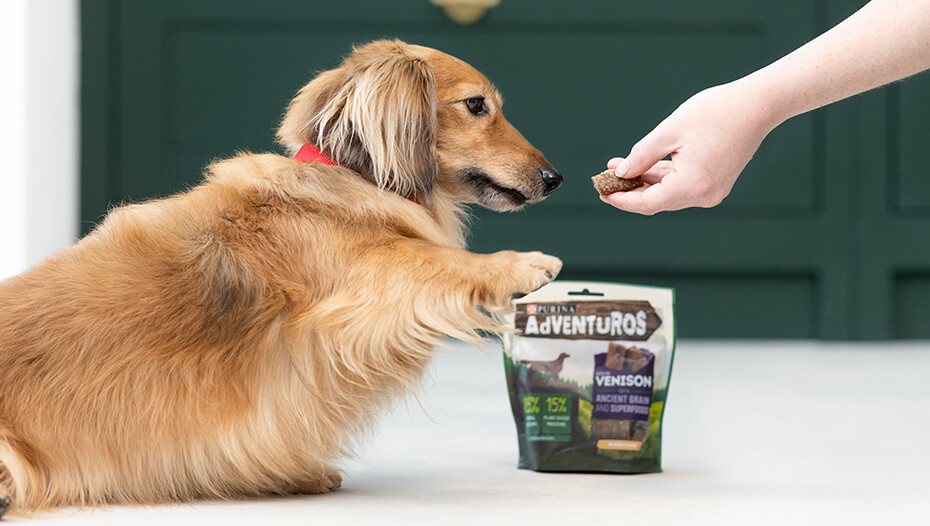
{"x": 235, "y": 340}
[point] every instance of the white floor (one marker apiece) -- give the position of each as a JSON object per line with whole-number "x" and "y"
{"x": 755, "y": 434}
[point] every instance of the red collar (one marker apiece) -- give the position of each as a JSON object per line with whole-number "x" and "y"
{"x": 309, "y": 154}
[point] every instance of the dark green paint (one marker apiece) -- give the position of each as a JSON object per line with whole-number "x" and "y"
{"x": 823, "y": 236}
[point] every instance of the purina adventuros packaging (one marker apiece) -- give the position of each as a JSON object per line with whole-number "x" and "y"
{"x": 588, "y": 368}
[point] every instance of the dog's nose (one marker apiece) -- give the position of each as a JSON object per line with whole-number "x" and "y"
{"x": 550, "y": 178}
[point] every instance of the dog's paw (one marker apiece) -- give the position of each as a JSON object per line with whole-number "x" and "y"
{"x": 530, "y": 270}
{"x": 325, "y": 482}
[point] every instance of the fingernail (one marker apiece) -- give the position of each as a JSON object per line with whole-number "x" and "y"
{"x": 622, "y": 168}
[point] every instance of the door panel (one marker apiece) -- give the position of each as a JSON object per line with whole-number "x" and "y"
{"x": 169, "y": 86}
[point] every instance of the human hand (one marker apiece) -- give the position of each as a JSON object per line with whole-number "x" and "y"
{"x": 710, "y": 138}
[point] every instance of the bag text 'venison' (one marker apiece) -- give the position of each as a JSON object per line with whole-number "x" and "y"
{"x": 624, "y": 380}
{"x": 617, "y": 324}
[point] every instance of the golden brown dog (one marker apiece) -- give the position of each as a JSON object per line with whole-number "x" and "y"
{"x": 236, "y": 339}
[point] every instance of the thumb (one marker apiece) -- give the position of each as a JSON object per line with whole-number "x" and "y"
{"x": 644, "y": 155}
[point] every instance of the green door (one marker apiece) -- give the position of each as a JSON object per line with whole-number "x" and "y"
{"x": 822, "y": 236}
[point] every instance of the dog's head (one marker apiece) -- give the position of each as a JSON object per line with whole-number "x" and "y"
{"x": 411, "y": 119}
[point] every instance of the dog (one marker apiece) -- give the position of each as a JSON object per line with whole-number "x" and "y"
{"x": 238, "y": 339}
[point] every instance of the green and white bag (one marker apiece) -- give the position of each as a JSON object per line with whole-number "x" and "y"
{"x": 588, "y": 369}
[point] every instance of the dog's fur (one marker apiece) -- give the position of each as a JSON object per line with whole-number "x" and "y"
{"x": 237, "y": 339}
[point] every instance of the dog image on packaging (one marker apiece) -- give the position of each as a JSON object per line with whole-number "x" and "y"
{"x": 239, "y": 338}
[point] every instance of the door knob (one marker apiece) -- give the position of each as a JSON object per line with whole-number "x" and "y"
{"x": 465, "y": 12}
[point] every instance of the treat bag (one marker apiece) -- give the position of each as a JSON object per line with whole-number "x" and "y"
{"x": 587, "y": 367}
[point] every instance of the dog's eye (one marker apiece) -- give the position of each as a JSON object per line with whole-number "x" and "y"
{"x": 477, "y": 106}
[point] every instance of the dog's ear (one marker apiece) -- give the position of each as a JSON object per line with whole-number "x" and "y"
{"x": 296, "y": 127}
{"x": 375, "y": 114}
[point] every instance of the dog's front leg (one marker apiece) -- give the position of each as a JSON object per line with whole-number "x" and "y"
{"x": 505, "y": 275}
{"x": 373, "y": 337}
{"x": 448, "y": 283}
{"x": 408, "y": 294}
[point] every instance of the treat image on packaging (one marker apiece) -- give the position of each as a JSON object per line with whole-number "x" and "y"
{"x": 587, "y": 370}
{"x": 621, "y": 408}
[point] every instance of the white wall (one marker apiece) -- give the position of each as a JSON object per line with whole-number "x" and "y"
{"x": 13, "y": 137}
{"x": 39, "y": 49}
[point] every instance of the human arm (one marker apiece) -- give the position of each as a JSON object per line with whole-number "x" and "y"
{"x": 713, "y": 135}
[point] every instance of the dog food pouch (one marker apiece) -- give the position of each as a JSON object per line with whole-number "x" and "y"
{"x": 587, "y": 370}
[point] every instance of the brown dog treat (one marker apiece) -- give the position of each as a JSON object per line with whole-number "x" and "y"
{"x": 607, "y": 182}
{"x": 632, "y": 358}
{"x": 637, "y": 358}
{"x": 616, "y": 356}
{"x": 609, "y": 428}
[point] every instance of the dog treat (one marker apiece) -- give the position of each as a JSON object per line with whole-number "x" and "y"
{"x": 609, "y": 428}
{"x": 607, "y": 182}
{"x": 587, "y": 370}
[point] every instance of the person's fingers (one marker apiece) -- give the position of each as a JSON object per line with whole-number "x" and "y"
{"x": 639, "y": 201}
{"x": 655, "y": 174}
{"x": 648, "y": 200}
{"x": 650, "y": 176}
{"x": 644, "y": 155}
